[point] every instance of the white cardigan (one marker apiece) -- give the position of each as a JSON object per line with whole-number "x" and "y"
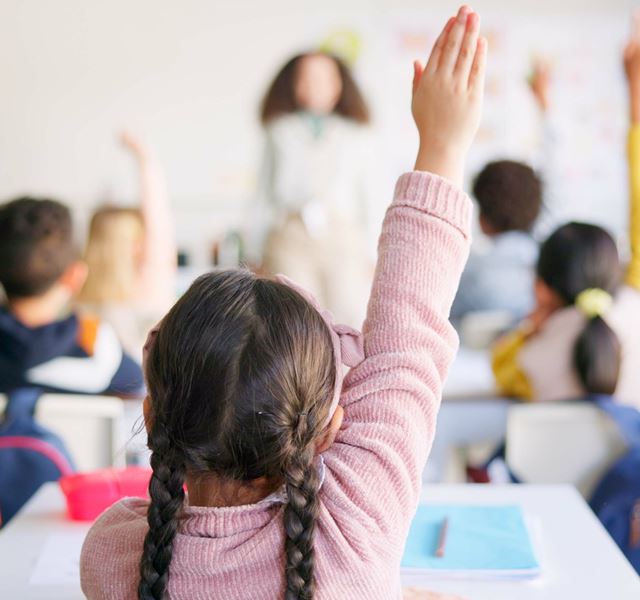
{"x": 326, "y": 178}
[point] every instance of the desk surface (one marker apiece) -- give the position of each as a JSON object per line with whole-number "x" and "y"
{"x": 579, "y": 559}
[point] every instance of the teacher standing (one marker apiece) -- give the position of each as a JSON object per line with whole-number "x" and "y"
{"x": 316, "y": 201}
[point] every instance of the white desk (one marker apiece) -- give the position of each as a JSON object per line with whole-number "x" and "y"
{"x": 23, "y": 539}
{"x": 579, "y": 559}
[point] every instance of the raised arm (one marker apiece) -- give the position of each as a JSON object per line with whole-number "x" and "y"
{"x": 553, "y": 212}
{"x": 391, "y": 400}
{"x": 158, "y": 281}
{"x": 632, "y": 71}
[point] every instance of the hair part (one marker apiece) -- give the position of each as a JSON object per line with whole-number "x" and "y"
{"x": 280, "y": 98}
{"x": 577, "y": 257}
{"x": 509, "y": 195}
{"x": 240, "y": 376}
{"x": 36, "y": 245}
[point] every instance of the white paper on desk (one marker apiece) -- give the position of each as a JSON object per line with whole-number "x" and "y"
{"x": 59, "y": 560}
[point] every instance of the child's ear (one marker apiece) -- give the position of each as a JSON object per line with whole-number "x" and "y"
{"x": 329, "y": 435}
{"x": 546, "y": 297}
{"x": 74, "y": 276}
{"x": 485, "y": 226}
{"x": 146, "y": 412}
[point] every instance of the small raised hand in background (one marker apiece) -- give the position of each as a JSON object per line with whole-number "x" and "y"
{"x": 632, "y": 68}
{"x": 447, "y": 96}
{"x": 540, "y": 83}
{"x": 134, "y": 144}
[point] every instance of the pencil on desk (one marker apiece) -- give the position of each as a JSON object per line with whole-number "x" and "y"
{"x": 442, "y": 541}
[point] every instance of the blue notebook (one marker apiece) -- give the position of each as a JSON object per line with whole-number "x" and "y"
{"x": 481, "y": 541}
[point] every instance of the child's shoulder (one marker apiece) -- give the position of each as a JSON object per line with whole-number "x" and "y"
{"x": 119, "y": 524}
{"x": 112, "y": 549}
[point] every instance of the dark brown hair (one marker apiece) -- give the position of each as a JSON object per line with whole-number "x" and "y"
{"x": 509, "y": 195}
{"x": 240, "y": 377}
{"x": 575, "y": 258}
{"x": 36, "y": 245}
{"x": 280, "y": 97}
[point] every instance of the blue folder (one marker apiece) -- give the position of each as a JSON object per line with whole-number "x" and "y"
{"x": 481, "y": 541}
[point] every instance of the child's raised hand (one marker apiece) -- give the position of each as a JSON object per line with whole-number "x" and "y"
{"x": 447, "y": 96}
{"x": 540, "y": 82}
{"x": 134, "y": 144}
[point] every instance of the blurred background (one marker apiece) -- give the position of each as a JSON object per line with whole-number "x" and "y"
{"x": 188, "y": 77}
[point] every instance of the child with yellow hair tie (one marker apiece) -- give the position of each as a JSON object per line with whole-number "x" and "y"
{"x": 582, "y": 338}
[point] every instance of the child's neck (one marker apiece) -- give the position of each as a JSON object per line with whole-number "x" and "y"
{"x": 214, "y": 491}
{"x": 39, "y": 310}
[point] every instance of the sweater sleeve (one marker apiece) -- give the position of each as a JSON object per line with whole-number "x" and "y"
{"x": 392, "y": 398}
{"x": 633, "y": 151}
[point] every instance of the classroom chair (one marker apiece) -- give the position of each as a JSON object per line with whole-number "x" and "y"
{"x": 92, "y": 427}
{"x": 572, "y": 442}
{"x": 479, "y": 329}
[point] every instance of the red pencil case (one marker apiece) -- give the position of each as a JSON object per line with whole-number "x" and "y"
{"x": 88, "y": 494}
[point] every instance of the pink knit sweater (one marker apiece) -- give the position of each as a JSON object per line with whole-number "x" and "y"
{"x": 372, "y": 476}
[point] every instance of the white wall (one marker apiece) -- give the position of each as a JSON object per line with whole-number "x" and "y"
{"x": 188, "y": 75}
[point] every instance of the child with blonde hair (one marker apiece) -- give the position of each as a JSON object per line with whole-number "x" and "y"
{"x": 300, "y": 485}
{"x": 131, "y": 255}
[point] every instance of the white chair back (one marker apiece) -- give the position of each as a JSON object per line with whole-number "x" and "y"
{"x": 569, "y": 442}
{"x": 92, "y": 427}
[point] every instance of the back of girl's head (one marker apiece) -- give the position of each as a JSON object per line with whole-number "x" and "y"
{"x": 240, "y": 377}
{"x": 580, "y": 258}
{"x": 113, "y": 255}
{"x": 281, "y": 100}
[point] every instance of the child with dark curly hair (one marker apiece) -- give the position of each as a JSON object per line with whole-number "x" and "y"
{"x": 500, "y": 276}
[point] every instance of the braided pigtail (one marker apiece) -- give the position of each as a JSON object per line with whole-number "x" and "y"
{"x": 167, "y": 496}
{"x": 240, "y": 377}
{"x": 302, "y": 483}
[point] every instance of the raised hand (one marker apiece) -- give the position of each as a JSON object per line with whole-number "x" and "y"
{"x": 447, "y": 96}
{"x": 631, "y": 59}
{"x": 539, "y": 82}
{"x": 134, "y": 144}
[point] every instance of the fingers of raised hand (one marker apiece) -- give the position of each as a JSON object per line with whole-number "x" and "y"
{"x": 476, "y": 74}
{"x": 418, "y": 69}
{"x": 453, "y": 42}
{"x": 468, "y": 47}
{"x": 436, "y": 54}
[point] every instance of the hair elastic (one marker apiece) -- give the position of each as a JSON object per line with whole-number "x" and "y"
{"x": 593, "y": 302}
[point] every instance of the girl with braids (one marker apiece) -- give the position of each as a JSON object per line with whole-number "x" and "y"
{"x": 300, "y": 485}
{"x": 582, "y": 338}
